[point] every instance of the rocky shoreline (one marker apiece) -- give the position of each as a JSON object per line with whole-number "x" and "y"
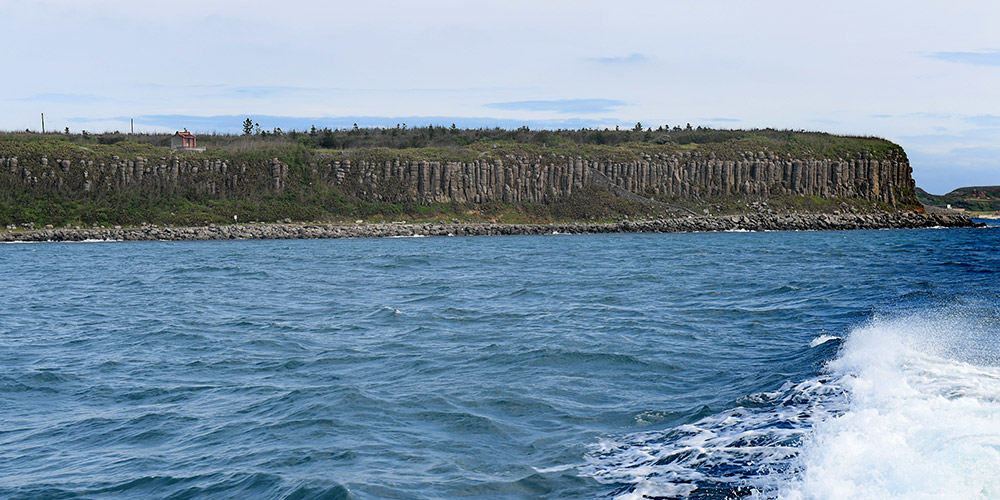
{"x": 747, "y": 222}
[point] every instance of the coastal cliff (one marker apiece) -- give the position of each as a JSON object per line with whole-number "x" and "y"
{"x": 61, "y": 182}
{"x": 688, "y": 176}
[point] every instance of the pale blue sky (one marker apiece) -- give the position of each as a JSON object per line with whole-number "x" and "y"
{"x": 921, "y": 73}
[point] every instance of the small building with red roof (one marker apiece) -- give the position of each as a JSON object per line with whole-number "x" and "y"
{"x": 183, "y": 140}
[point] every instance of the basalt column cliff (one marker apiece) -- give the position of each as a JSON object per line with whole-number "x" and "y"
{"x": 678, "y": 177}
{"x": 510, "y": 178}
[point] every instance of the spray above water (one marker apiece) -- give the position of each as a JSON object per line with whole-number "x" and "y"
{"x": 923, "y": 419}
{"x": 909, "y": 408}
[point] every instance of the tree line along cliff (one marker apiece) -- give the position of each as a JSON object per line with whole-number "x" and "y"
{"x": 53, "y": 180}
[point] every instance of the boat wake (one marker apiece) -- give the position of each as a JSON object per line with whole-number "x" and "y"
{"x": 908, "y": 408}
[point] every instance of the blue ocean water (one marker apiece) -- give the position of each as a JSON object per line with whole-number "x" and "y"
{"x": 861, "y": 364}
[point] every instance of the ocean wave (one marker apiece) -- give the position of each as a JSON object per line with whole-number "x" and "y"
{"x": 922, "y": 419}
{"x": 237, "y": 485}
{"x": 908, "y": 408}
{"x": 739, "y": 451}
{"x": 822, "y": 339}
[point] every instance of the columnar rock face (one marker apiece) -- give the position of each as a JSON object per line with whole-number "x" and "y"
{"x": 681, "y": 177}
{"x": 511, "y": 179}
{"x": 203, "y": 177}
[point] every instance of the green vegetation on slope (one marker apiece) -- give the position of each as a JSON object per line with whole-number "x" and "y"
{"x": 973, "y": 198}
{"x": 440, "y": 143}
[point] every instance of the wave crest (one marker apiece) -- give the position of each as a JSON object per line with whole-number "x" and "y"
{"x": 908, "y": 408}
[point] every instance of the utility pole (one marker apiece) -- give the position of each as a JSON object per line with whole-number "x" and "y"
{"x": 43, "y": 123}
{"x": 131, "y": 122}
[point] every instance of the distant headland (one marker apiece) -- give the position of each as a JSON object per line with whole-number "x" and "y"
{"x": 984, "y": 200}
{"x": 446, "y": 175}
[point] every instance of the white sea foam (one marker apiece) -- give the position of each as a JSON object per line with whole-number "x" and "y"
{"x": 909, "y": 409}
{"x": 822, "y": 339}
{"x": 923, "y": 419}
{"x": 558, "y": 468}
{"x": 88, "y": 240}
{"x": 750, "y": 448}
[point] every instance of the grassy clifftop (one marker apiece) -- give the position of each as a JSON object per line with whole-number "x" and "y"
{"x": 450, "y": 144}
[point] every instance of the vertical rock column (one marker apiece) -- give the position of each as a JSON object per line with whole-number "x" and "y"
{"x": 277, "y": 175}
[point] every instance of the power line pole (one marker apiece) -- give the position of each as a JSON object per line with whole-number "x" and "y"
{"x": 131, "y": 122}
{"x": 43, "y": 123}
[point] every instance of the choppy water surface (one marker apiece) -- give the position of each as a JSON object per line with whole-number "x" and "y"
{"x": 805, "y": 365}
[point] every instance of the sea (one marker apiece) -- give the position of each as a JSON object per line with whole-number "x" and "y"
{"x": 758, "y": 365}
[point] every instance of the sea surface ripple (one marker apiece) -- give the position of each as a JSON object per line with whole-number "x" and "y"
{"x": 707, "y": 365}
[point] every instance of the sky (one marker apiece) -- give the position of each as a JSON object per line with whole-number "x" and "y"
{"x": 924, "y": 74}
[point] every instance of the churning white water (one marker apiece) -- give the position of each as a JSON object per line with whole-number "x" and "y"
{"x": 923, "y": 415}
{"x": 908, "y": 409}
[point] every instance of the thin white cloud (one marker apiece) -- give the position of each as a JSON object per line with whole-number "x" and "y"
{"x": 984, "y": 120}
{"x": 631, "y": 59}
{"x": 585, "y": 106}
{"x": 983, "y": 58}
{"x": 63, "y": 98}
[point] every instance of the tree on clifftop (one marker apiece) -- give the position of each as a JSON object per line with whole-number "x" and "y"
{"x": 247, "y": 126}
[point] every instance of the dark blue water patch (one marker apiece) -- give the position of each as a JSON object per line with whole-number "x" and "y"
{"x": 424, "y": 368}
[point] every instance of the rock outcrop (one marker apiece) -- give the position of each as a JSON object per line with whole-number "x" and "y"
{"x": 679, "y": 177}
{"x": 510, "y": 179}
{"x": 202, "y": 177}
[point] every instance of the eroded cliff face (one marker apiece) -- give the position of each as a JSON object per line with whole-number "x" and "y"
{"x": 511, "y": 179}
{"x": 681, "y": 177}
{"x": 89, "y": 178}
